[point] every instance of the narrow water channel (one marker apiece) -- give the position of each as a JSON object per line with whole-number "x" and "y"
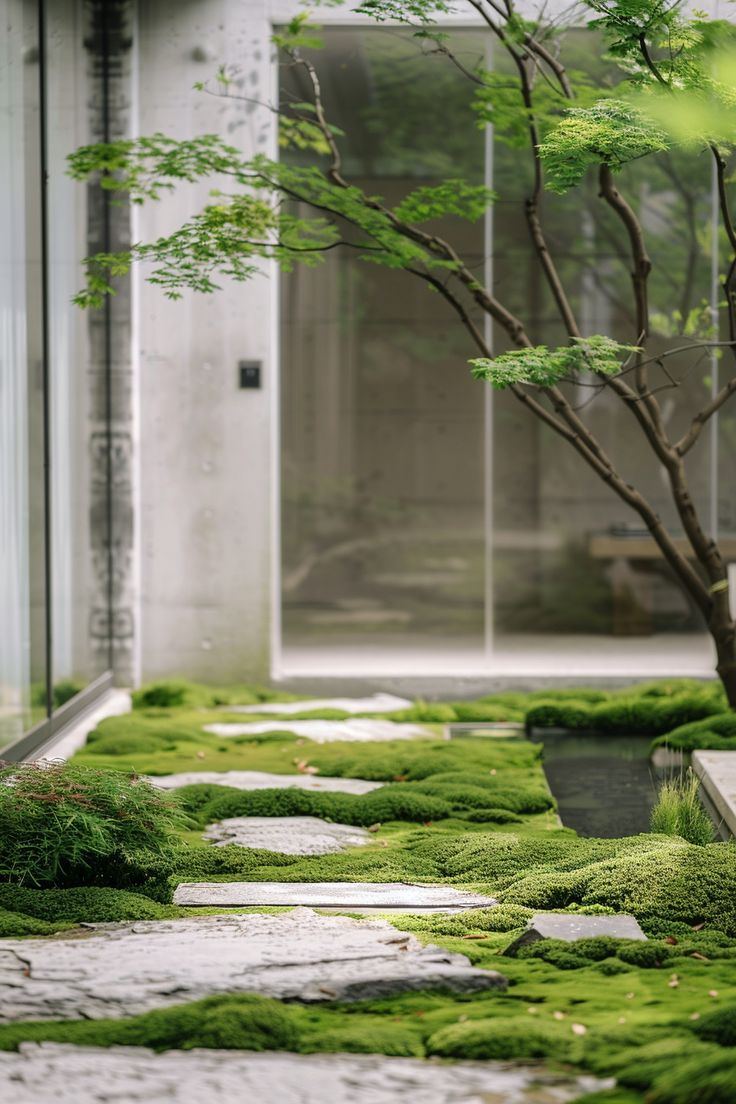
{"x": 604, "y": 785}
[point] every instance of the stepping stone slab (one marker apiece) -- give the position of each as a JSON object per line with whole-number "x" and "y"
{"x": 288, "y": 835}
{"x": 261, "y": 780}
{"x": 717, "y": 773}
{"x": 135, "y": 1075}
{"x": 362, "y": 730}
{"x": 555, "y": 925}
{"x": 376, "y": 703}
{"x": 115, "y": 970}
{"x": 348, "y": 896}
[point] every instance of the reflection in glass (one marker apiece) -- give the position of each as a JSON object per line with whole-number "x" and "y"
{"x": 22, "y": 593}
{"x": 384, "y": 539}
{"x": 383, "y": 429}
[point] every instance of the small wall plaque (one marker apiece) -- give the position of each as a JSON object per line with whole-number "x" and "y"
{"x": 249, "y": 373}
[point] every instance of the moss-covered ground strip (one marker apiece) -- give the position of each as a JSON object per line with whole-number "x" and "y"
{"x": 476, "y": 813}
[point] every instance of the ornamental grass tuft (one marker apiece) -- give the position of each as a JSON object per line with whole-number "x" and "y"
{"x": 678, "y": 810}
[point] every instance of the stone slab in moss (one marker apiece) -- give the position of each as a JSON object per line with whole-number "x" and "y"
{"x": 134, "y": 1075}
{"x": 263, "y": 780}
{"x": 347, "y": 896}
{"x": 361, "y": 730}
{"x": 119, "y": 970}
{"x": 573, "y": 926}
{"x": 376, "y": 703}
{"x": 287, "y": 835}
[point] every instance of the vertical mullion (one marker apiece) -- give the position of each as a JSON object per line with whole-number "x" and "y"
{"x": 487, "y": 390}
{"x": 45, "y": 350}
{"x": 715, "y": 290}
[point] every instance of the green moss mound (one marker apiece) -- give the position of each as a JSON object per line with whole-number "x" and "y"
{"x": 175, "y": 693}
{"x": 708, "y": 1078}
{"x": 387, "y": 804}
{"x": 718, "y": 1027}
{"x": 231, "y": 1022}
{"x": 379, "y": 1038}
{"x": 717, "y": 732}
{"x": 90, "y": 904}
{"x": 649, "y": 876}
{"x": 649, "y": 710}
{"x": 498, "y": 1039}
{"x": 14, "y": 924}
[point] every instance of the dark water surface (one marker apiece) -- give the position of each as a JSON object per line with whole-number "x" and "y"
{"x": 604, "y": 785}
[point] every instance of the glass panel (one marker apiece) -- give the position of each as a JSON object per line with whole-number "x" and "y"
{"x": 22, "y": 588}
{"x": 383, "y": 428}
{"x": 567, "y": 559}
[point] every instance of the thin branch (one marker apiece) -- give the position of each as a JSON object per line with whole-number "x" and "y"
{"x": 688, "y": 439}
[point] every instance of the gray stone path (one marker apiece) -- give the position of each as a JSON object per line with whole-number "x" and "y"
{"x": 376, "y": 703}
{"x": 289, "y": 835}
{"x": 261, "y": 780}
{"x": 50, "y": 1072}
{"x": 361, "y": 730}
{"x": 717, "y": 773}
{"x": 115, "y": 970}
{"x": 346, "y": 896}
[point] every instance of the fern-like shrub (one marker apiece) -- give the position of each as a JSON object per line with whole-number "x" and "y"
{"x": 63, "y": 825}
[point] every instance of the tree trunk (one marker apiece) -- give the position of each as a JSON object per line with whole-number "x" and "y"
{"x": 723, "y": 631}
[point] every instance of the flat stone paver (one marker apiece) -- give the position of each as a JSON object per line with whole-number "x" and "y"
{"x": 134, "y": 1075}
{"x": 717, "y": 773}
{"x": 347, "y": 896}
{"x": 298, "y": 835}
{"x": 376, "y": 703}
{"x": 115, "y": 970}
{"x": 360, "y": 730}
{"x": 572, "y": 926}
{"x": 262, "y": 780}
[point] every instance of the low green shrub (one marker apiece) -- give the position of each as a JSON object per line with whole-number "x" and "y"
{"x": 63, "y": 691}
{"x": 499, "y": 1039}
{"x": 678, "y": 810}
{"x": 89, "y": 904}
{"x": 718, "y": 1026}
{"x": 64, "y": 825}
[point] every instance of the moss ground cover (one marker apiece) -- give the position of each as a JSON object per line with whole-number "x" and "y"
{"x": 660, "y": 1016}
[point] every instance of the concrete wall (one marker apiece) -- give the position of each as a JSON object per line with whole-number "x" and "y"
{"x": 205, "y": 446}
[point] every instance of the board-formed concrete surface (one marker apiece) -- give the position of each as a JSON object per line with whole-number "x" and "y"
{"x": 360, "y": 730}
{"x": 53, "y": 1072}
{"x": 348, "y": 896}
{"x": 114, "y": 970}
{"x": 555, "y": 925}
{"x": 717, "y": 773}
{"x": 298, "y": 835}
{"x": 262, "y": 780}
{"x": 376, "y": 703}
